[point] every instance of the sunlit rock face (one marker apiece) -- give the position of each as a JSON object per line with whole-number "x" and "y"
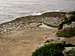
{"x": 69, "y": 51}
{"x": 53, "y": 18}
{"x": 21, "y": 23}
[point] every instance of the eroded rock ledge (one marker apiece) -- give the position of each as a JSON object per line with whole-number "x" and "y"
{"x": 29, "y": 22}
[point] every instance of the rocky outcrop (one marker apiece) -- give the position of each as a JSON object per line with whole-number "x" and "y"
{"x": 69, "y": 51}
{"x": 48, "y": 18}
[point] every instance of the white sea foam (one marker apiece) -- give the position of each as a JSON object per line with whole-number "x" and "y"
{"x": 36, "y": 13}
{"x": 40, "y": 13}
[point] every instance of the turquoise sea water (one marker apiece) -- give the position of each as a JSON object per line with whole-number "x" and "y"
{"x": 10, "y": 9}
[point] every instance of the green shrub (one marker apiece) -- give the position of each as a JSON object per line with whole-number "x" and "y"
{"x": 67, "y": 32}
{"x": 49, "y": 50}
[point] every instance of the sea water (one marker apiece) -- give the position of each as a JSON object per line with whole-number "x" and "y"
{"x": 11, "y": 9}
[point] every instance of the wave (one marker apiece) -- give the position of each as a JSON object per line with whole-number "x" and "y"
{"x": 40, "y": 13}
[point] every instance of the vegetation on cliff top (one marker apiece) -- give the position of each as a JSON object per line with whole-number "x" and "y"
{"x": 49, "y": 50}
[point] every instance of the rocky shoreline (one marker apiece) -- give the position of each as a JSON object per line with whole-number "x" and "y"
{"x": 32, "y": 21}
